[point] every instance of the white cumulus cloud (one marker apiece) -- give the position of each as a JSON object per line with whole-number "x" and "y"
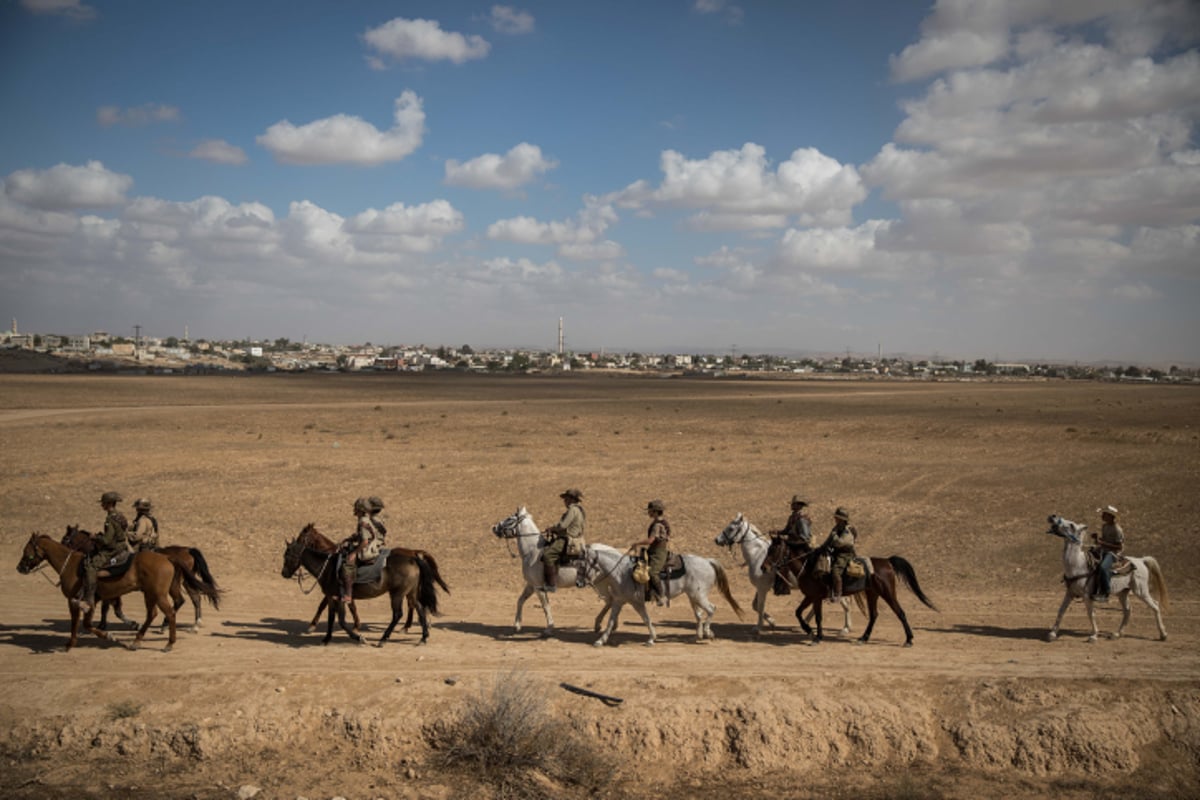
{"x": 423, "y": 39}
{"x": 517, "y": 167}
{"x": 506, "y": 19}
{"x": 64, "y": 186}
{"x": 344, "y": 139}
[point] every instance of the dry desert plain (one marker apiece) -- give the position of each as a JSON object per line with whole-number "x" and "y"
{"x": 956, "y": 477}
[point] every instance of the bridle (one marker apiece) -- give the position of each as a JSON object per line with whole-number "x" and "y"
{"x": 300, "y": 565}
{"x": 744, "y": 529}
{"x": 37, "y": 561}
{"x": 1071, "y": 537}
{"x": 510, "y": 528}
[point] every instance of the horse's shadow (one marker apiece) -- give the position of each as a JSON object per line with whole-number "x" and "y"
{"x": 504, "y": 633}
{"x": 992, "y": 631}
{"x": 53, "y": 634}
{"x": 289, "y": 632}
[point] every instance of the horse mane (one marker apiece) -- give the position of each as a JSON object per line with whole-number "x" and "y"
{"x": 317, "y": 540}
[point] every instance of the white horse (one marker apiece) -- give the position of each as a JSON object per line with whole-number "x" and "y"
{"x": 754, "y": 552}
{"x": 530, "y": 543}
{"x": 611, "y": 573}
{"x": 1080, "y": 579}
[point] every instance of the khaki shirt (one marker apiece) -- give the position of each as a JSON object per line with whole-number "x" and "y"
{"x": 572, "y": 522}
{"x": 659, "y": 531}
{"x": 798, "y": 529}
{"x": 369, "y": 540}
{"x": 144, "y": 536}
{"x": 842, "y": 538}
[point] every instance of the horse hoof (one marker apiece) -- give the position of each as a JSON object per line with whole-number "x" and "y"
{"x": 908, "y": 644}
{"x": 1050, "y": 637}
{"x": 598, "y": 643}
{"x": 1092, "y": 638}
{"x": 1162, "y": 638}
{"x": 649, "y": 643}
{"x": 167, "y": 649}
{"x": 548, "y": 634}
{"x": 310, "y": 629}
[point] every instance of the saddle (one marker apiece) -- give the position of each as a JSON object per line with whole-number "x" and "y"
{"x": 370, "y": 572}
{"x": 1121, "y": 565}
{"x": 116, "y": 567}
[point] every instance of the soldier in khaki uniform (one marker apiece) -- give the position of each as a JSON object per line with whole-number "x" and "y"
{"x": 361, "y": 547}
{"x": 658, "y": 537}
{"x": 144, "y": 533}
{"x": 565, "y": 537}
{"x": 840, "y": 544}
{"x": 374, "y": 506}
{"x": 111, "y": 548}
{"x": 1110, "y": 542}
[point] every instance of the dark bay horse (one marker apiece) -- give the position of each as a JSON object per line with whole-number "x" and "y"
{"x": 404, "y": 575}
{"x": 880, "y": 582}
{"x": 150, "y": 573}
{"x": 189, "y": 559}
{"x": 323, "y": 543}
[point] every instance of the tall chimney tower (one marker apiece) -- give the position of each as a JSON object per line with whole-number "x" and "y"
{"x": 560, "y": 337}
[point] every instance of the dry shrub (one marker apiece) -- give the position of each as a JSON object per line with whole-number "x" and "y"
{"x": 509, "y": 738}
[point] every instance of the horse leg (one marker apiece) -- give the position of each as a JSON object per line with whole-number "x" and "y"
{"x": 804, "y": 626}
{"x": 167, "y": 604}
{"x": 74, "y": 625}
{"x": 873, "y": 613}
{"x": 331, "y": 611}
{"x": 354, "y": 615}
{"x": 640, "y": 606}
{"x": 423, "y": 617}
{"x": 617, "y": 605}
{"x": 1091, "y": 613}
{"x": 1143, "y": 592}
{"x": 549, "y": 629}
{"x": 312, "y": 626}
{"x": 818, "y": 618}
{"x": 412, "y": 608}
{"x": 704, "y": 611}
{"x": 341, "y": 613}
{"x": 151, "y": 610}
{"x": 760, "y": 605}
{"x": 846, "y": 614}
{"x": 600, "y": 617}
{"x": 397, "y": 610}
{"x": 526, "y": 593}
{"x": 1062, "y": 609}
{"x": 195, "y": 598}
{"x": 1126, "y": 612}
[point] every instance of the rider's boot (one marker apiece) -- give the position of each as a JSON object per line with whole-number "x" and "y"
{"x": 550, "y": 576}
{"x": 87, "y": 600}
{"x": 659, "y": 592}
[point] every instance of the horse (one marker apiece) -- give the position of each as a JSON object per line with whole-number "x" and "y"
{"x": 1145, "y": 577}
{"x": 520, "y": 526}
{"x": 880, "y": 581}
{"x": 402, "y": 576}
{"x": 190, "y": 559}
{"x": 150, "y": 573}
{"x": 755, "y": 549}
{"x": 323, "y": 543}
{"x": 611, "y": 570}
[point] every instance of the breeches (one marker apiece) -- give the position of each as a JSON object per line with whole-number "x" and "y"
{"x": 553, "y": 553}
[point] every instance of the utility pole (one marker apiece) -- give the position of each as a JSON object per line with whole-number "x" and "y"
{"x": 137, "y": 337}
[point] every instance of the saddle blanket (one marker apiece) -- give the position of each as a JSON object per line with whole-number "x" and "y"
{"x": 369, "y": 573}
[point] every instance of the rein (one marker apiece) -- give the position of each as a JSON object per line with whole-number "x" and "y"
{"x": 609, "y": 573}
{"x": 316, "y": 578}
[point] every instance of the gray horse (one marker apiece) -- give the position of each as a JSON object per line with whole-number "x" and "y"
{"x": 610, "y": 571}
{"x": 1079, "y": 577}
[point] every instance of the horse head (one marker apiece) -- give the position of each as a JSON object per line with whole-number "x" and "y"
{"x": 734, "y": 532}
{"x": 1066, "y": 529}
{"x": 32, "y": 555}
{"x": 78, "y": 539}
{"x": 510, "y": 526}
{"x": 292, "y": 551}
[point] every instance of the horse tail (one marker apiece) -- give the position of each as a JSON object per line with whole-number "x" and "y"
{"x": 437, "y": 575}
{"x": 723, "y": 585}
{"x": 1158, "y": 583}
{"x": 905, "y": 570}
{"x": 196, "y": 585}
{"x": 427, "y": 588}
{"x": 202, "y": 567}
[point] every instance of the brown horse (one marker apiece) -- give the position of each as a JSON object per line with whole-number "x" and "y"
{"x": 324, "y": 544}
{"x": 150, "y": 573}
{"x": 189, "y": 559}
{"x": 879, "y": 582}
{"x": 403, "y": 576}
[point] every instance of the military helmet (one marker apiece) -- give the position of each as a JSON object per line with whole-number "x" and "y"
{"x": 656, "y": 505}
{"x": 110, "y": 497}
{"x": 141, "y": 504}
{"x": 374, "y": 504}
{"x": 842, "y": 514}
{"x": 572, "y": 494}
{"x": 361, "y": 506}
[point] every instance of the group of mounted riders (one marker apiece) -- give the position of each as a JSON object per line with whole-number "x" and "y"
{"x": 115, "y": 543}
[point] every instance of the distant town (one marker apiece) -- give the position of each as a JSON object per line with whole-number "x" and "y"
{"x": 102, "y": 352}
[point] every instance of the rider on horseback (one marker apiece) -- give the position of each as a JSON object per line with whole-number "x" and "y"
{"x": 1110, "y": 542}
{"x": 564, "y": 538}
{"x": 144, "y": 535}
{"x": 374, "y": 506}
{"x": 658, "y": 535}
{"x": 110, "y": 548}
{"x": 361, "y": 547}
{"x": 796, "y": 534}
{"x": 840, "y": 546}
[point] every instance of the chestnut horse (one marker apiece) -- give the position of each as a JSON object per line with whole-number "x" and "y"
{"x": 190, "y": 559}
{"x": 880, "y": 581}
{"x": 150, "y": 573}
{"x": 320, "y": 541}
{"x": 404, "y": 575}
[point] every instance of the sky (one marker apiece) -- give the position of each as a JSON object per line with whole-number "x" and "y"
{"x": 999, "y": 179}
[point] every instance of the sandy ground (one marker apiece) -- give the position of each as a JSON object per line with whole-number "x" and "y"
{"x": 957, "y": 478}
